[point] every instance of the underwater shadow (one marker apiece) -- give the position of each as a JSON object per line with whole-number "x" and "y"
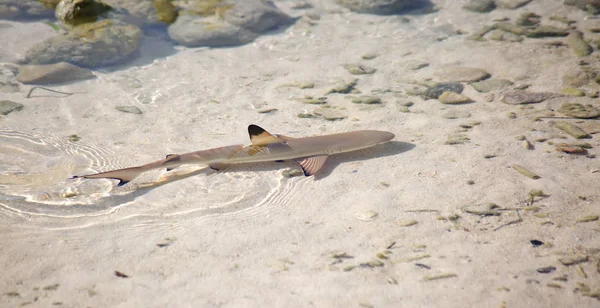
{"x": 419, "y": 7}
{"x": 381, "y": 150}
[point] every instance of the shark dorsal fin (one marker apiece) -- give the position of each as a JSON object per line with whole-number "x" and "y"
{"x": 261, "y": 137}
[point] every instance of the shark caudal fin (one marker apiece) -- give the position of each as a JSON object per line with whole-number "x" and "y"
{"x": 123, "y": 175}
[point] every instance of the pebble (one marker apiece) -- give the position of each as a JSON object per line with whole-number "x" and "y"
{"x": 572, "y": 92}
{"x": 546, "y": 270}
{"x": 379, "y": 7}
{"x": 480, "y": 6}
{"x": 511, "y": 4}
{"x": 329, "y": 114}
{"x": 461, "y": 74}
{"x": 358, "y": 69}
{"x": 572, "y": 260}
{"x": 437, "y": 90}
{"x": 366, "y": 100}
{"x": 456, "y": 114}
{"x": 7, "y": 107}
{"x": 369, "y": 56}
{"x": 572, "y": 130}
{"x": 415, "y": 65}
{"x": 366, "y": 215}
{"x": 129, "y": 109}
{"x": 547, "y": 31}
{"x": 492, "y": 84}
{"x": 516, "y": 97}
{"x": 407, "y": 223}
{"x": 579, "y": 46}
{"x": 453, "y": 98}
{"x": 343, "y": 87}
{"x": 52, "y": 73}
{"x": 588, "y": 218}
{"x": 579, "y": 110}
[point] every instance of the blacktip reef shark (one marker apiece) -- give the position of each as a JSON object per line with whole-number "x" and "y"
{"x": 310, "y": 152}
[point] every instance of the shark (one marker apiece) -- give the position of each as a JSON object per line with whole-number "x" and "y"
{"x": 310, "y": 152}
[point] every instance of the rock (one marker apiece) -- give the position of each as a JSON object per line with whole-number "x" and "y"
{"x": 461, "y": 74}
{"x": 489, "y": 85}
{"x": 8, "y": 80}
{"x": 453, "y": 98}
{"x": 366, "y": 215}
{"x": 577, "y": 78}
{"x": 218, "y": 23}
{"x": 516, "y": 97}
{"x": 572, "y": 260}
{"x": 7, "y": 107}
{"x": 329, "y": 114}
{"x": 52, "y": 73}
{"x": 578, "y": 44}
{"x": 508, "y": 27}
{"x": 572, "y": 92}
{"x": 487, "y": 209}
{"x": 438, "y": 89}
{"x": 357, "y": 69}
{"x": 511, "y": 4}
{"x": 528, "y": 19}
{"x": 198, "y": 31}
{"x": 129, "y": 109}
{"x": 75, "y": 12}
{"x": 572, "y": 130}
{"x": 501, "y": 35}
{"x": 104, "y": 42}
{"x": 369, "y": 56}
{"x": 25, "y": 9}
{"x": 546, "y": 270}
{"x": 456, "y": 114}
{"x": 256, "y": 15}
{"x": 546, "y": 31}
{"x": 366, "y": 99}
{"x": 379, "y": 7}
{"x": 415, "y": 65}
{"x": 480, "y": 6}
{"x": 592, "y": 6}
{"x": 343, "y": 87}
{"x": 165, "y": 11}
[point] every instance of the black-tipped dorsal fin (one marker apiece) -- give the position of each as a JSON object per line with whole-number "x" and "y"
{"x": 311, "y": 165}
{"x": 261, "y": 137}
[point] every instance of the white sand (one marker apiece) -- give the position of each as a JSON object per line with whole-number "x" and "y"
{"x": 250, "y": 237}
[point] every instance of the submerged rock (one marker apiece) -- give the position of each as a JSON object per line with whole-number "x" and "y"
{"x": 517, "y": 97}
{"x": 52, "y": 73}
{"x": 194, "y": 31}
{"x": 358, "y": 69}
{"x": 75, "y": 12}
{"x": 579, "y": 111}
{"x": 25, "y": 9}
{"x": 578, "y": 44}
{"x": 218, "y": 23}
{"x": 453, "y": 98}
{"x": 7, "y": 107}
{"x": 546, "y": 31}
{"x": 511, "y": 4}
{"x": 480, "y": 6}
{"x": 491, "y": 85}
{"x": 438, "y": 89}
{"x": 461, "y": 74}
{"x": 104, "y": 42}
{"x": 379, "y": 7}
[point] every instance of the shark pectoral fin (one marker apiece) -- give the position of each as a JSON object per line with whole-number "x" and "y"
{"x": 311, "y": 165}
{"x": 261, "y": 137}
{"x": 218, "y": 166}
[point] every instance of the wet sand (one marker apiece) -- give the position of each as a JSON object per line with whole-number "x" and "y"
{"x": 408, "y": 223}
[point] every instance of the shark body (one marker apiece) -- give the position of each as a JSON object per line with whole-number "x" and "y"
{"x": 310, "y": 152}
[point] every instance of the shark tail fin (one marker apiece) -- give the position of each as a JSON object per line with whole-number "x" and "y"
{"x": 123, "y": 175}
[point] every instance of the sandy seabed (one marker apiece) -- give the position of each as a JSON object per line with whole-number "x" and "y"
{"x": 384, "y": 227}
